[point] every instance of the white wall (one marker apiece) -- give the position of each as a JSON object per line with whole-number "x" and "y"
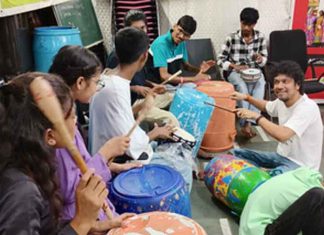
{"x": 217, "y": 18}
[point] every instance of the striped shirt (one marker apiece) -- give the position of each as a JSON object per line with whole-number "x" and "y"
{"x": 235, "y": 50}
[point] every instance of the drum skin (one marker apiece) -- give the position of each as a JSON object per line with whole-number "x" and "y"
{"x": 181, "y": 136}
{"x": 231, "y": 180}
{"x": 251, "y": 75}
{"x": 192, "y": 113}
{"x": 221, "y": 131}
{"x": 159, "y": 223}
{"x": 150, "y": 188}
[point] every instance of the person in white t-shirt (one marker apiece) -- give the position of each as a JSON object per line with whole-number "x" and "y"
{"x": 300, "y": 128}
{"x": 111, "y": 113}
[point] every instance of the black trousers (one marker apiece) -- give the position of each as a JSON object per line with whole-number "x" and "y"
{"x": 305, "y": 215}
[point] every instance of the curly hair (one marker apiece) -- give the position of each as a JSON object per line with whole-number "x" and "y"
{"x": 22, "y": 134}
{"x": 291, "y": 69}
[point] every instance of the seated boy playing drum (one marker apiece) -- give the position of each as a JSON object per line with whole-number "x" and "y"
{"x": 111, "y": 112}
{"x": 244, "y": 49}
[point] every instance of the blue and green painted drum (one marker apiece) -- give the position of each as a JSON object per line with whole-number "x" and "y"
{"x": 231, "y": 180}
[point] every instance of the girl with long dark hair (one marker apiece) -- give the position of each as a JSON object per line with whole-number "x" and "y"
{"x": 29, "y": 197}
{"x": 81, "y": 69}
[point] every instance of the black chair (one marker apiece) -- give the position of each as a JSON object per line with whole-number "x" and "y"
{"x": 291, "y": 45}
{"x": 202, "y": 49}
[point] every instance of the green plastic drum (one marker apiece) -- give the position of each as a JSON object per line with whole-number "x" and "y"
{"x": 244, "y": 183}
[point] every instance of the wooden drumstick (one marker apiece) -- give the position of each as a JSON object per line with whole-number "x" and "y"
{"x": 221, "y": 107}
{"x": 147, "y": 105}
{"x": 48, "y": 103}
{"x": 171, "y": 77}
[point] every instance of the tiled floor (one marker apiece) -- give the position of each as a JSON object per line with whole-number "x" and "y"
{"x": 208, "y": 211}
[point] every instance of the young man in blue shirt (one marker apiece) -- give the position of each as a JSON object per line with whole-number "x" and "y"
{"x": 170, "y": 54}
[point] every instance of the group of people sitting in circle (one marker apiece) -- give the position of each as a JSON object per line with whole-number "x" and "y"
{"x": 42, "y": 190}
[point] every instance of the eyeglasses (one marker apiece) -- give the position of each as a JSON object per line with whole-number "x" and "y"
{"x": 100, "y": 83}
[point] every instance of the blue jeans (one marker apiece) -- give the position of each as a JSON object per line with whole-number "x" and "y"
{"x": 277, "y": 163}
{"x": 255, "y": 89}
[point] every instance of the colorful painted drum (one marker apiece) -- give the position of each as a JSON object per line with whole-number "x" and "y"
{"x": 221, "y": 126}
{"x": 150, "y": 188}
{"x": 193, "y": 115}
{"x": 214, "y": 167}
{"x": 244, "y": 183}
{"x": 231, "y": 180}
{"x": 159, "y": 223}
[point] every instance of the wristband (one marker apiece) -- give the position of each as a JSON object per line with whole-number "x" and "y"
{"x": 258, "y": 119}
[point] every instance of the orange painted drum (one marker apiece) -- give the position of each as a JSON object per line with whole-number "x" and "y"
{"x": 159, "y": 223}
{"x": 221, "y": 132}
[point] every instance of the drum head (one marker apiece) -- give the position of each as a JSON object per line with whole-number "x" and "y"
{"x": 184, "y": 134}
{"x": 251, "y": 75}
{"x": 159, "y": 223}
{"x": 251, "y": 72}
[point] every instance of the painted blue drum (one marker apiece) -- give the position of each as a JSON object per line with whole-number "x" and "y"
{"x": 150, "y": 188}
{"x": 49, "y": 40}
{"x": 192, "y": 113}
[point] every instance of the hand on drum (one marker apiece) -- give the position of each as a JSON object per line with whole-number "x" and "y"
{"x": 114, "y": 147}
{"x": 206, "y": 65}
{"x": 163, "y": 132}
{"x": 101, "y": 227}
{"x": 238, "y": 96}
{"x": 246, "y": 114}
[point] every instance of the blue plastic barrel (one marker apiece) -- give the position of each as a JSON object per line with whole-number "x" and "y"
{"x": 192, "y": 113}
{"x": 49, "y": 40}
{"x": 150, "y": 188}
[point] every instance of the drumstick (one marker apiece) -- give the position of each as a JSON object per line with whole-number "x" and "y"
{"x": 147, "y": 105}
{"x": 171, "y": 77}
{"x": 48, "y": 103}
{"x": 221, "y": 107}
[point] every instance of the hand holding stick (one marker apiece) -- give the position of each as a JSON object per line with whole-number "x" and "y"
{"x": 171, "y": 77}
{"x": 147, "y": 105}
{"x": 48, "y": 103}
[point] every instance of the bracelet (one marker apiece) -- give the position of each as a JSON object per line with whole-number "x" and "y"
{"x": 258, "y": 119}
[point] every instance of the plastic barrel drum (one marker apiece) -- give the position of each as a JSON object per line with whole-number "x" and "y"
{"x": 221, "y": 131}
{"x": 231, "y": 180}
{"x": 193, "y": 115}
{"x": 159, "y": 223}
{"x": 150, "y": 188}
{"x": 49, "y": 40}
